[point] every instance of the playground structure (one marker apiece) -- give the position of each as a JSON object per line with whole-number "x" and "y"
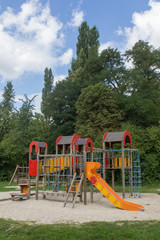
{"x": 71, "y": 172}
{"x": 20, "y": 172}
{"x": 125, "y": 159}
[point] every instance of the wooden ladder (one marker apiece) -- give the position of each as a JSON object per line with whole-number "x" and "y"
{"x": 72, "y": 187}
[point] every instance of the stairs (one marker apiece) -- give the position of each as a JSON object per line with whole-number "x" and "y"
{"x": 74, "y": 188}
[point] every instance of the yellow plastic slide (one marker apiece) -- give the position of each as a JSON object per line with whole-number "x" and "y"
{"x": 107, "y": 191}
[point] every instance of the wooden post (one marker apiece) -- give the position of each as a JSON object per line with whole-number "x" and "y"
{"x": 123, "y": 171}
{"x": 37, "y": 177}
{"x": 13, "y": 175}
{"x": 113, "y": 175}
{"x": 131, "y": 179}
{"x": 44, "y": 173}
{"x": 104, "y": 162}
{"x": 81, "y": 172}
{"x": 91, "y": 185}
{"x": 84, "y": 181}
{"x": 70, "y": 160}
{"x": 63, "y": 151}
{"x": 74, "y": 159}
{"x": 29, "y": 180}
{"x": 56, "y": 149}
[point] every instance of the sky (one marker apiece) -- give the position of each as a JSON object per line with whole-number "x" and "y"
{"x": 36, "y": 34}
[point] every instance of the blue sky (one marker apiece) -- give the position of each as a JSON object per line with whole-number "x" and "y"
{"x": 35, "y": 34}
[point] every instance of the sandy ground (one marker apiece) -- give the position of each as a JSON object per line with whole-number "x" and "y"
{"x": 48, "y": 211}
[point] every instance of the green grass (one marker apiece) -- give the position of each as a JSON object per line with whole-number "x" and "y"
{"x": 151, "y": 188}
{"x": 4, "y": 184}
{"x": 10, "y": 230}
{"x": 148, "y": 188}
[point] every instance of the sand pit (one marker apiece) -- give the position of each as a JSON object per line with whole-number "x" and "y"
{"x": 49, "y": 211}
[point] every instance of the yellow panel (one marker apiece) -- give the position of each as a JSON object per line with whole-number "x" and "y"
{"x": 47, "y": 168}
{"x": 120, "y": 162}
{"x": 61, "y": 162}
{"x": 68, "y": 161}
{"x": 125, "y": 162}
{"x": 115, "y": 162}
{"x": 51, "y": 165}
{"x": 40, "y": 167}
{"x": 129, "y": 162}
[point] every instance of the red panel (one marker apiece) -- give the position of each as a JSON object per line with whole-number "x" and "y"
{"x": 34, "y": 143}
{"x": 45, "y": 144}
{"x": 89, "y": 140}
{"x": 104, "y": 136}
{"x": 33, "y": 168}
{"x": 127, "y": 133}
{"x": 74, "y": 139}
{"x": 58, "y": 139}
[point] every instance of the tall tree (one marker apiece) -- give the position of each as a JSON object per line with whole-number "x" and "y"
{"x": 63, "y": 102}
{"x": 6, "y": 108}
{"x": 46, "y": 93}
{"x": 114, "y": 70}
{"x": 143, "y": 97}
{"x": 96, "y": 111}
{"x": 15, "y": 143}
{"x": 83, "y": 39}
{"x": 93, "y": 37}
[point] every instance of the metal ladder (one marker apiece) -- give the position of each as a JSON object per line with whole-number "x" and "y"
{"x": 72, "y": 187}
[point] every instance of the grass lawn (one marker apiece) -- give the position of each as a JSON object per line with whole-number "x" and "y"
{"x": 148, "y": 188}
{"x": 145, "y": 230}
{"x": 4, "y": 184}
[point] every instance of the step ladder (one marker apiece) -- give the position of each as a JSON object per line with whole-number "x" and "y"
{"x": 73, "y": 186}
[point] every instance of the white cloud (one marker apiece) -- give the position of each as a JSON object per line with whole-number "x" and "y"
{"x": 66, "y": 57}
{"x": 104, "y": 46}
{"x": 1, "y": 93}
{"x": 36, "y": 101}
{"x": 77, "y": 18}
{"x": 30, "y": 40}
{"x": 59, "y": 78}
{"x": 146, "y": 26}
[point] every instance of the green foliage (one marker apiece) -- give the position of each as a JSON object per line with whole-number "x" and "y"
{"x": 96, "y": 110}
{"x": 147, "y": 140}
{"x": 144, "y": 230}
{"x": 63, "y": 101}
{"x": 6, "y": 108}
{"x": 46, "y": 93}
{"x": 143, "y": 98}
{"x": 114, "y": 71}
{"x": 15, "y": 144}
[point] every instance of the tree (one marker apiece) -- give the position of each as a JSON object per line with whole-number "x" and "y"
{"x": 83, "y": 39}
{"x": 15, "y": 144}
{"x": 114, "y": 70}
{"x": 63, "y": 101}
{"x": 96, "y": 111}
{"x": 46, "y": 93}
{"x": 87, "y": 38}
{"x": 6, "y": 108}
{"x": 143, "y": 93}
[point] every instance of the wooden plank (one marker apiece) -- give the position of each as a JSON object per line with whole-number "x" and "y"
{"x": 37, "y": 177}
{"x": 13, "y": 175}
{"x": 84, "y": 181}
{"x": 123, "y": 172}
{"x": 91, "y": 185}
{"x": 78, "y": 189}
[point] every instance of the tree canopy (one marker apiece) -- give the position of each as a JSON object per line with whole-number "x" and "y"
{"x": 107, "y": 91}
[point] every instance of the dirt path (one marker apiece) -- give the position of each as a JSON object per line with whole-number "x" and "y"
{"x": 49, "y": 211}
